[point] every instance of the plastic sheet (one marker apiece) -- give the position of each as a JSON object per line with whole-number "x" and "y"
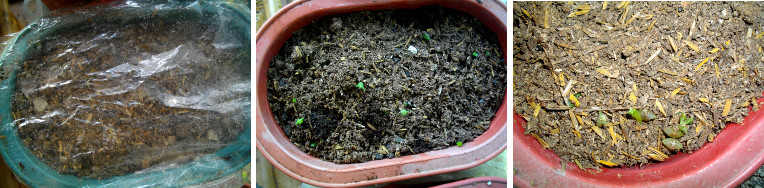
{"x": 128, "y": 94}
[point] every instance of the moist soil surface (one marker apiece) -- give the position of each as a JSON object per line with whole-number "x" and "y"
{"x": 110, "y": 99}
{"x": 700, "y": 59}
{"x": 419, "y": 95}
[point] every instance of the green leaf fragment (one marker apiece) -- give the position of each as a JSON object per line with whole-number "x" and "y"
{"x": 299, "y": 121}
{"x": 474, "y": 54}
{"x": 426, "y": 36}
{"x": 312, "y": 145}
{"x": 635, "y": 114}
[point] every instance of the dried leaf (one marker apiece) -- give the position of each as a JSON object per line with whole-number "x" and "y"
{"x": 653, "y": 56}
{"x": 581, "y": 10}
{"x": 714, "y": 50}
{"x": 613, "y": 134}
{"x": 658, "y": 152}
{"x": 575, "y": 101}
{"x": 604, "y": 72}
{"x": 692, "y": 46}
{"x": 759, "y": 35}
{"x": 673, "y": 93}
{"x": 607, "y": 163}
{"x": 701, "y": 64}
{"x": 673, "y": 46}
{"x": 660, "y": 107}
{"x": 604, "y": 5}
{"x": 727, "y": 106}
{"x": 669, "y": 72}
{"x": 698, "y": 127}
{"x": 656, "y": 157}
{"x": 705, "y": 100}
{"x": 623, "y": 4}
{"x": 599, "y": 132}
{"x": 633, "y": 98}
{"x": 565, "y": 45}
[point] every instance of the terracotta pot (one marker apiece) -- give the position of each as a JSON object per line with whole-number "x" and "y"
{"x": 735, "y": 154}
{"x": 476, "y": 183}
{"x": 276, "y": 147}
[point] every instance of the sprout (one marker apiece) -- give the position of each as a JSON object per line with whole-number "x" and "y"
{"x": 294, "y": 100}
{"x": 601, "y": 119}
{"x": 487, "y": 53}
{"x": 459, "y": 143}
{"x": 635, "y": 114}
{"x": 299, "y": 121}
{"x": 474, "y": 54}
{"x": 360, "y": 85}
{"x": 404, "y": 112}
{"x": 312, "y": 145}
{"x": 426, "y": 36}
{"x": 683, "y": 120}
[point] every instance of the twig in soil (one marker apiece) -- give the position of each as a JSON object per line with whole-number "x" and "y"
{"x": 606, "y": 109}
{"x": 652, "y": 57}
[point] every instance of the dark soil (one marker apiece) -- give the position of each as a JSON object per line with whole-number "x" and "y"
{"x": 450, "y": 94}
{"x": 108, "y": 99}
{"x": 604, "y": 59}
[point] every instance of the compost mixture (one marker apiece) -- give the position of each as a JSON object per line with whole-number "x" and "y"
{"x": 630, "y": 83}
{"x": 372, "y": 85}
{"x": 108, "y": 99}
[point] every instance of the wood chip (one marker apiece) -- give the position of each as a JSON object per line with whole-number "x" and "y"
{"x": 673, "y": 93}
{"x": 660, "y": 107}
{"x": 607, "y": 163}
{"x": 714, "y": 50}
{"x": 705, "y": 100}
{"x": 599, "y": 132}
{"x": 565, "y": 45}
{"x": 543, "y": 143}
{"x": 727, "y": 106}
{"x": 669, "y": 72}
{"x": 604, "y": 72}
{"x": 673, "y": 46}
{"x": 701, "y": 64}
{"x": 692, "y": 46}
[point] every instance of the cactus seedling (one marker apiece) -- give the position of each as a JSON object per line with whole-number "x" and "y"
{"x": 312, "y": 145}
{"x": 474, "y": 54}
{"x": 426, "y": 36}
{"x": 299, "y": 121}
{"x": 360, "y": 86}
{"x": 294, "y": 100}
{"x": 459, "y": 143}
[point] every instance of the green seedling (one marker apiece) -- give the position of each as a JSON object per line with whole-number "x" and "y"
{"x": 683, "y": 120}
{"x": 312, "y": 145}
{"x": 601, "y": 120}
{"x": 474, "y": 54}
{"x": 635, "y": 114}
{"x": 360, "y": 86}
{"x": 404, "y": 112}
{"x": 459, "y": 143}
{"x": 299, "y": 121}
{"x": 426, "y": 36}
{"x": 487, "y": 53}
{"x": 294, "y": 100}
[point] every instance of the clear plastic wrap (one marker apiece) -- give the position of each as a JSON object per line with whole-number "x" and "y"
{"x": 128, "y": 94}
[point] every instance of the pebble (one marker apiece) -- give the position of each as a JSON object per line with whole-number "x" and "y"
{"x": 412, "y": 49}
{"x": 40, "y": 104}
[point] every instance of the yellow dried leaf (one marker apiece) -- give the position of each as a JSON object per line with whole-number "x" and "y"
{"x": 727, "y": 106}
{"x": 669, "y": 72}
{"x": 673, "y": 46}
{"x": 692, "y": 46}
{"x": 562, "y": 79}
{"x": 698, "y": 128}
{"x": 526, "y": 13}
{"x": 599, "y": 132}
{"x": 716, "y": 67}
{"x": 623, "y": 4}
{"x": 701, "y": 64}
{"x": 536, "y": 109}
{"x": 673, "y": 93}
{"x": 714, "y": 50}
{"x": 656, "y": 157}
{"x": 578, "y": 164}
{"x": 604, "y": 5}
{"x": 660, "y": 107}
{"x": 727, "y": 43}
{"x": 759, "y": 35}
{"x": 705, "y": 100}
{"x": 582, "y": 9}
{"x": 651, "y": 25}
{"x": 613, "y": 135}
{"x": 575, "y": 101}
{"x": 633, "y": 98}
{"x": 634, "y": 86}
{"x": 658, "y": 152}
{"x": 579, "y": 120}
{"x": 604, "y": 72}
{"x": 686, "y": 80}
{"x": 543, "y": 143}
{"x": 624, "y": 153}
{"x": 546, "y": 16}
{"x": 607, "y": 163}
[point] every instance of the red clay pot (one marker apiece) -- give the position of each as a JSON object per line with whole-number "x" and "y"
{"x": 481, "y": 182}
{"x": 735, "y": 154}
{"x": 276, "y": 147}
